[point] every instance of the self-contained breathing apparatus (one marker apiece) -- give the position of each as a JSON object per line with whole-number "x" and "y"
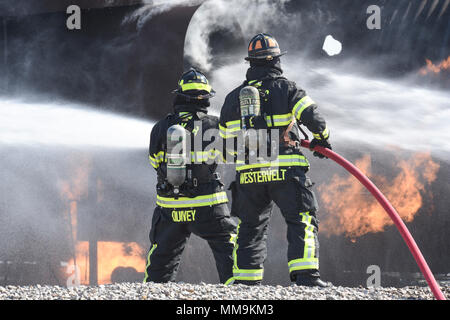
{"x": 253, "y": 101}
{"x": 181, "y": 177}
{"x": 250, "y": 106}
{"x": 176, "y": 156}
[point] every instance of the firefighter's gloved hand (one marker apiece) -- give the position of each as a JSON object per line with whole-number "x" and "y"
{"x": 319, "y": 142}
{"x": 255, "y": 122}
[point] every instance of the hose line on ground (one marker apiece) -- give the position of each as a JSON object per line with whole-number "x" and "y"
{"x": 410, "y": 242}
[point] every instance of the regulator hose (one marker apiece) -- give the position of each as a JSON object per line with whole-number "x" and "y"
{"x": 410, "y": 242}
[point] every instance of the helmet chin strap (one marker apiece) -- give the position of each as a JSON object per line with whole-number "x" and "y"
{"x": 190, "y": 108}
{"x": 192, "y": 98}
{"x": 183, "y": 103}
{"x": 196, "y": 98}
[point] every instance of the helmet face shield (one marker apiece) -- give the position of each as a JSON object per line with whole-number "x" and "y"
{"x": 263, "y": 47}
{"x": 194, "y": 84}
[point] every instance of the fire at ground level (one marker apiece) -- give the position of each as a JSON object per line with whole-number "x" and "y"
{"x": 77, "y": 213}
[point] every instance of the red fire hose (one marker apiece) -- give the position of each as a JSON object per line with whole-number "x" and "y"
{"x": 391, "y": 212}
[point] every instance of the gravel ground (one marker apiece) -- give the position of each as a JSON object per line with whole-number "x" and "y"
{"x": 202, "y": 291}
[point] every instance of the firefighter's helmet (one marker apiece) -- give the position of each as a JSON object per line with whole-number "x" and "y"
{"x": 194, "y": 84}
{"x": 263, "y": 47}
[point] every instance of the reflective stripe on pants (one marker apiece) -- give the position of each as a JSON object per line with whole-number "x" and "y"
{"x": 200, "y": 201}
{"x": 148, "y": 261}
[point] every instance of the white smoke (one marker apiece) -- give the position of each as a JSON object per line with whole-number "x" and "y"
{"x": 376, "y": 111}
{"x": 252, "y": 17}
{"x": 360, "y": 107}
{"x": 155, "y": 7}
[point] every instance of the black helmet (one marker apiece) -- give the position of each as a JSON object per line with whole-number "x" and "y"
{"x": 193, "y": 84}
{"x": 263, "y": 47}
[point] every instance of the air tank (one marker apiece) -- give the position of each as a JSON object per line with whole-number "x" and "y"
{"x": 177, "y": 156}
{"x": 250, "y": 103}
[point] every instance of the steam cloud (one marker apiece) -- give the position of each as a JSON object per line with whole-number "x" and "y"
{"x": 155, "y": 7}
{"x": 359, "y": 103}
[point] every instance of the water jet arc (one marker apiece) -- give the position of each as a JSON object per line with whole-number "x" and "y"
{"x": 410, "y": 242}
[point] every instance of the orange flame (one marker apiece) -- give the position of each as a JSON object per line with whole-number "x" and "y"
{"x": 110, "y": 255}
{"x": 354, "y": 212}
{"x": 432, "y": 68}
{"x": 77, "y": 185}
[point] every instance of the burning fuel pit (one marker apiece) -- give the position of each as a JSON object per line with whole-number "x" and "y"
{"x": 74, "y": 212}
{"x": 81, "y": 216}
{"x": 412, "y": 181}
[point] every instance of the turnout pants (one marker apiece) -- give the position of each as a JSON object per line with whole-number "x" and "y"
{"x": 253, "y": 204}
{"x": 170, "y": 232}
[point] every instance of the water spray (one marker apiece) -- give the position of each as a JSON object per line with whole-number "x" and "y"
{"x": 410, "y": 242}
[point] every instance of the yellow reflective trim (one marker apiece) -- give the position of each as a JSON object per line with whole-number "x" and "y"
{"x": 248, "y": 274}
{"x": 243, "y": 274}
{"x": 228, "y": 132}
{"x": 233, "y": 122}
{"x": 227, "y": 136}
{"x": 203, "y": 156}
{"x": 252, "y": 271}
{"x": 281, "y": 161}
{"x": 308, "y": 261}
{"x": 279, "y": 120}
{"x": 186, "y": 202}
{"x": 234, "y": 255}
{"x": 290, "y": 263}
{"x": 181, "y": 82}
{"x": 255, "y": 83}
{"x": 310, "y": 246}
{"x": 303, "y": 264}
{"x": 195, "y": 86}
{"x": 159, "y": 157}
{"x": 230, "y": 153}
{"x": 325, "y": 134}
{"x": 301, "y": 105}
{"x": 251, "y": 278}
{"x": 148, "y": 261}
{"x": 232, "y": 126}
{"x": 153, "y": 162}
{"x": 283, "y": 116}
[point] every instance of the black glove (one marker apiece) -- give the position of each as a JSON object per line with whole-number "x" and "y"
{"x": 319, "y": 142}
{"x": 164, "y": 188}
{"x": 255, "y": 122}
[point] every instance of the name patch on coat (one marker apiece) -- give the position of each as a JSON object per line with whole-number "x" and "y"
{"x": 183, "y": 215}
{"x": 263, "y": 176}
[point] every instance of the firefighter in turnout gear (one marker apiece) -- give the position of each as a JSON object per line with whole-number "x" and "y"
{"x": 190, "y": 194}
{"x": 280, "y": 109}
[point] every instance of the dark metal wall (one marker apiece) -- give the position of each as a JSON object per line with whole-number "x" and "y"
{"x": 109, "y": 63}
{"x": 28, "y": 7}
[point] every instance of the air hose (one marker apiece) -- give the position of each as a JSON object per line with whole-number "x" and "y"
{"x": 411, "y": 243}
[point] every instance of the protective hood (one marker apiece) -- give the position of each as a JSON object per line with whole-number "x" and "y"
{"x": 263, "y": 69}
